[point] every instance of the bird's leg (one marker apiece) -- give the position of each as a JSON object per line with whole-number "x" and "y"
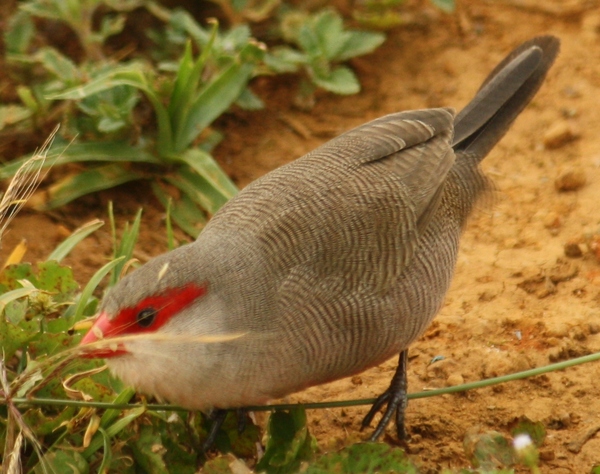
{"x": 242, "y": 419}
{"x": 395, "y": 397}
{"x": 217, "y": 416}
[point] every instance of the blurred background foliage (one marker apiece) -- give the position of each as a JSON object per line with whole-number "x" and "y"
{"x": 136, "y": 86}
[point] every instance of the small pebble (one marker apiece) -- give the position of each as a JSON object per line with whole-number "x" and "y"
{"x": 560, "y": 134}
{"x": 570, "y": 180}
{"x": 553, "y": 222}
{"x": 573, "y": 250}
{"x": 455, "y": 379}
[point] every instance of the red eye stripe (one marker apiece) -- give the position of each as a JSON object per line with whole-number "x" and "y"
{"x": 166, "y": 305}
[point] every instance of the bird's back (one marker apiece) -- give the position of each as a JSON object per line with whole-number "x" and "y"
{"x": 354, "y": 245}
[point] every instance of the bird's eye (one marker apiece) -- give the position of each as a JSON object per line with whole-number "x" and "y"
{"x": 146, "y": 317}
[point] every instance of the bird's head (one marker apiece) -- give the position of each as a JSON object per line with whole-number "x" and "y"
{"x": 145, "y": 317}
{"x": 146, "y": 303}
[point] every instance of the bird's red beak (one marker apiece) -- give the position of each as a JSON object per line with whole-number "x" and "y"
{"x": 101, "y": 331}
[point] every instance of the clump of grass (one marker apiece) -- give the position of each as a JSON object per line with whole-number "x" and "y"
{"x": 192, "y": 75}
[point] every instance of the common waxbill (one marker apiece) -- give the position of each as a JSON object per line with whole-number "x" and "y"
{"x": 322, "y": 268}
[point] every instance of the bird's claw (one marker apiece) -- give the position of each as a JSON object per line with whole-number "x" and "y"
{"x": 395, "y": 397}
{"x": 218, "y": 416}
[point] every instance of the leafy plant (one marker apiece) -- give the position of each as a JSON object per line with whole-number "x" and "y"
{"x": 323, "y": 44}
{"x": 185, "y": 102}
{"x": 386, "y": 14}
{"x": 100, "y": 99}
{"x": 288, "y": 442}
{"x": 41, "y": 313}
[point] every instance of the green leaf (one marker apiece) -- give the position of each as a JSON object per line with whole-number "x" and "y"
{"x": 148, "y": 451}
{"x": 17, "y": 36}
{"x": 283, "y": 59}
{"x": 15, "y": 334}
{"x": 111, "y": 151}
{"x": 187, "y": 81}
{"x": 50, "y": 10}
{"x": 111, "y": 25}
{"x": 58, "y": 64}
{"x": 359, "y": 43}
{"x": 206, "y": 166}
{"x": 308, "y": 40}
{"x": 107, "y": 452}
{"x": 248, "y": 100}
{"x": 14, "y": 295}
{"x": 288, "y": 442}
{"x": 91, "y": 285}
{"x": 12, "y": 114}
{"x": 447, "y": 6}
{"x": 111, "y": 415}
{"x": 64, "y": 460}
{"x": 215, "y": 98}
{"x": 340, "y": 81}
{"x": 329, "y": 29}
{"x": 87, "y": 182}
{"x": 184, "y": 212}
{"x": 65, "y": 247}
{"x": 125, "y": 248}
{"x": 184, "y": 87}
{"x": 198, "y": 189}
{"x": 364, "y": 458}
{"x": 57, "y": 279}
{"x": 111, "y": 109}
{"x": 489, "y": 450}
{"x": 46, "y": 423}
{"x": 12, "y": 274}
{"x": 111, "y": 431}
{"x": 182, "y": 20}
{"x": 132, "y": 74}
{"x": 229, "y": 439}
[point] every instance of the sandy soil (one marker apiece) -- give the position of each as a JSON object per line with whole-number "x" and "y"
{"x": 517, "y": 301}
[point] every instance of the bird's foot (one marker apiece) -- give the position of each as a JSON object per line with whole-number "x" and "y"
{"x": 395, "y": 399}
{"x": 217, "y": 417}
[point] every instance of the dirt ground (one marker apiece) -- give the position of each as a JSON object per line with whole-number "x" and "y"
{"x": 517, "y": 301}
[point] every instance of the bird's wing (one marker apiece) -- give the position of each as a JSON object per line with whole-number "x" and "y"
{"x": 353, "y": 207}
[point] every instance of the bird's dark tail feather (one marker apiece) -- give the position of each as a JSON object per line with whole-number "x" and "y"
{"x": 502, "y": 96}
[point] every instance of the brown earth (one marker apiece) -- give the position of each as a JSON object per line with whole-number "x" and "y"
{"x": 517, "y": 300}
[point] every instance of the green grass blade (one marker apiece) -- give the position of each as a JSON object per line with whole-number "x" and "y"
{"x": 107, "y": 452}
{"x": 110, "y": 415}
{"x": 113, "y": 151}
{"x": 113, "y": 430}
{"x": 184, "y": 212}
{"x": 86, "y": 182}
{"x": 13, "y": 295}
{"x": 198, "y": 189}
{"x": 215, "y": 99}
{"x": 188, "y": 81}
{"x": 183, "y": 87}
{"x": 169, "y": 224}
{"x": 65, "y": 247}
{"x": 125, "y": 248}
{"x": 217, "y": 96}
{"x": 130, "y": 75}
{"x": 206, "y": 166}
{"x": 91, "y": 287}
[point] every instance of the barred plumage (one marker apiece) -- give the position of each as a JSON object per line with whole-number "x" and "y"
{"x": 328, "y": 265}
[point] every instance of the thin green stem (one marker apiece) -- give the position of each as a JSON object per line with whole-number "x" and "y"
{"x": 338, "y": 404}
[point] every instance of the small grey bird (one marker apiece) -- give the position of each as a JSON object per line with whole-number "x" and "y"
{"x": 322, "y": 268}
